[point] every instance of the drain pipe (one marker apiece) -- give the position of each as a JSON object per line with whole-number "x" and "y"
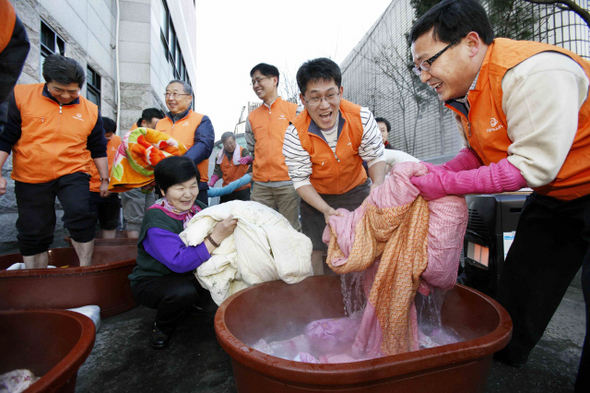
{"x": 117, "y": 69}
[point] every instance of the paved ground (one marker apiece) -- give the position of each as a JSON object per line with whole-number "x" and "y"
{"x": 122, "y": 360}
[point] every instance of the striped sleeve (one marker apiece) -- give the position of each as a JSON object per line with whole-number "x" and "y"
{"x": 371, "y": 148}
{"x": 297, "y": 158}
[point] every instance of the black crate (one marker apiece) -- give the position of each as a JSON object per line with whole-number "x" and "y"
{"x": 492, "y": 217}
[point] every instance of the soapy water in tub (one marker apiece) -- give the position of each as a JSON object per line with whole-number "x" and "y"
{"x": 330, "y": 340}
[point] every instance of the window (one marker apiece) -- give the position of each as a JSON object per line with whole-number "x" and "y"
{"x": 93, "y": 87}
{"x": 50, "y": 43}
{"x": 171, "y": 46}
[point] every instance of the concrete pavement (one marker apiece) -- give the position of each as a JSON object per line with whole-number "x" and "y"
{"x": 123, "y": 361}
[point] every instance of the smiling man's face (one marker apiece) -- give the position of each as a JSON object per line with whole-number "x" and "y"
{"x": 447, "y": 75}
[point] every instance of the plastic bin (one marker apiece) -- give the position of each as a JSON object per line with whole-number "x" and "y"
{"x": 268, "y": 308}
{"x": 53, "y": 344}
{"x": 104, "y": 283}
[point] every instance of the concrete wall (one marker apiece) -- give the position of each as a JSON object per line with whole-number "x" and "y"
{"x": 88, "y": 28}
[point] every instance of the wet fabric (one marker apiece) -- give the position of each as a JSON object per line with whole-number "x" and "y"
{"x": 402, "y": 243}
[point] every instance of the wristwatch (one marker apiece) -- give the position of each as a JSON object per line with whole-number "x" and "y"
{"x": 105, "y": 178}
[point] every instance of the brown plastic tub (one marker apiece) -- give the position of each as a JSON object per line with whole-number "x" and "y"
{"x": 267, "y": 308}
{"x": 104, "y": 283}
{"x": 121, "y": 238}
{"x": 53, "y": 344}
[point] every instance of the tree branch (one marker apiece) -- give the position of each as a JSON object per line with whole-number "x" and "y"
{"x": 569, "y": 4}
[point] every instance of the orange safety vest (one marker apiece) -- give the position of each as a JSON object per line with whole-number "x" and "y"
{"x": 8, "y": 18}
{"x": 268, "y": 127}
{"x": 487, "y": 133}
{"x": 54, "y": 137}
{"x": 233, "y": 172}
{"x": 184, "y": 131}
{"x": 112, "y": 147}
{"x": 336, "y": 172}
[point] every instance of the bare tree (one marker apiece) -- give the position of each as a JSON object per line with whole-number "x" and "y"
{"x": 288, "y": 88}
{"x": 567, "y": 5}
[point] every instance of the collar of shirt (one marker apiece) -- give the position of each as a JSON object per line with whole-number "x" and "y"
{"x": 463, "y": 100}
{"x": 177, "y": 117}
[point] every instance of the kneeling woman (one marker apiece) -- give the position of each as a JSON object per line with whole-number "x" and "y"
{"x": 163, "y": 278}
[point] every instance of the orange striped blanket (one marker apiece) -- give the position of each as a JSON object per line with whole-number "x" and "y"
{"x": 138, "y": 154}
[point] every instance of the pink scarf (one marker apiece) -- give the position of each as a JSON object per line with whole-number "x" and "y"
{"x": 171, "y": 211}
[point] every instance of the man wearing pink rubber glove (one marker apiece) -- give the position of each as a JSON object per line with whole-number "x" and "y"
{"x": 525, "y": 116}
{"x": 231, "y": 164}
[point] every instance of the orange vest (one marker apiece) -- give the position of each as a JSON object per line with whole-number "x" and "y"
{"x": 337, "y": 172}
{"x": 233, "y": 172}
{"x": 53, "y": 140}
{"x": 487, "y": 133}
{"x": 8, "y": 18}
{"x": 184, "y": 131}
{"x": 112, "y": 147}
{"x": 268, "y": 127}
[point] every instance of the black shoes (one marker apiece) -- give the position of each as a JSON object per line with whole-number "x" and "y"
{"x": 158, "y": 339}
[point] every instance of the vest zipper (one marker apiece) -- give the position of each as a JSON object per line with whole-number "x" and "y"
{"x": 60, "y": 109}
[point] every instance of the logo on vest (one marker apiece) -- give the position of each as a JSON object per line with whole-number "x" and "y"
{"x": 282, "y": 117}
{"x": 495, "y": 126}
{"x": 186, "y": 124}
{"x": 78, "y": 117}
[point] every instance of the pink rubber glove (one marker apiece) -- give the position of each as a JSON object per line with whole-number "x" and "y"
{"x": 213, "y": 180}
{"x": 465, "y": 160}
{"x": 494, "y": 178}
{"x": 245, "y": 160}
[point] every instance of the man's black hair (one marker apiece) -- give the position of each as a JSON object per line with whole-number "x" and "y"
{"x": 384, "y": 120}
{"x": 174, "y": 170}
{"x": 63, "y": 70}
{"x": 266, "y": 70}
{"x": 109, "y": 125}
{"x": 453, "y": 20}
{"x": 320, "y": 69}
{"x": 149, "y": 113}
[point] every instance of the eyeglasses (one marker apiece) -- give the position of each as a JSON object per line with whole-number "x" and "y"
{"x": 257, "y": 81}
{"x": 315, "y": 101}
{"x": 174, "y": 95}
{"x": 426, "y": 64}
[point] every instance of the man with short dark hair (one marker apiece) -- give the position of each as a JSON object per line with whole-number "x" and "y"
{"x": 54, "y": 134}
{"x": 524, "y": 111}
{"x": 192, "y": 129}
{"x": 325, "y": 147}
{"x": 136, "y": 202}
{"x": 265, "y": 133}
{"x": 149, "y": 118}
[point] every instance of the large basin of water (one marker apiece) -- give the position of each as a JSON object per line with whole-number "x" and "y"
{"x": 264, "y": 309}
{"x": 104, "y": 283}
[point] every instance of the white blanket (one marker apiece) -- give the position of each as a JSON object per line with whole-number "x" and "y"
{"x": 263, "y": 247}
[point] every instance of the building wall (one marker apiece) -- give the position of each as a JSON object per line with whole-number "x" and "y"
{"x": 88, "y": 28}
{"x": 377, "y": 74}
